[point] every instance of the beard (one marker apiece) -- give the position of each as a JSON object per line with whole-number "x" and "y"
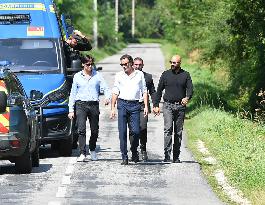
{"x": 174, "y": 67}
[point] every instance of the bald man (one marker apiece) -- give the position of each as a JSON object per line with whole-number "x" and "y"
{"x": 178, "y": 88}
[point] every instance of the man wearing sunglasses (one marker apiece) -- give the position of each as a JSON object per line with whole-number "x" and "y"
{"x": 178, "y": 88}
{"x": 86, "y": 87}
{"x": 138, "y": 65}
{"x": 129, "y": 88}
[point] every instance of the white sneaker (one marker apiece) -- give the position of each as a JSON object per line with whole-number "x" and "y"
{"x": 81, "y": 158}
{"x": 94, "y": 156}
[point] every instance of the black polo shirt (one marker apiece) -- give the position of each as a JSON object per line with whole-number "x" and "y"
{"x": 176, "y": 85}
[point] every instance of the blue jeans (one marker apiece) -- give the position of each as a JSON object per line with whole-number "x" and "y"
{"x": 128, "y": 114}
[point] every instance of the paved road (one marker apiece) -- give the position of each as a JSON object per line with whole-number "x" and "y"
{"x": 61, "y": 180}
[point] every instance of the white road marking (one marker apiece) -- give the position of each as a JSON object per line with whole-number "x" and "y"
{"x": 69, "y": 170}
{"x": 66, "y": 180}
{"x": 61, "y": 192}
{"x": 54, "y": 203}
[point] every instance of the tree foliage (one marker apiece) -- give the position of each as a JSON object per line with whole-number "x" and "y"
{"x": 230, "y": 34}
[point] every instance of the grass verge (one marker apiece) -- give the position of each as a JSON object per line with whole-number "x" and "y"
{"x": 237, "y": 144}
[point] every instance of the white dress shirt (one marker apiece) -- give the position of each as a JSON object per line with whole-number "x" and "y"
{"x": 129, "y": 87}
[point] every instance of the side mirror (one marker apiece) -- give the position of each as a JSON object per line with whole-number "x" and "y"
{"x": 3, "y": 101}
{"x": 76, "y": 66}
{"x": 98, "y": 68}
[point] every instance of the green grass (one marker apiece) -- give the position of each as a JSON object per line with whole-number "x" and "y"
{"x": 238, "y": 145}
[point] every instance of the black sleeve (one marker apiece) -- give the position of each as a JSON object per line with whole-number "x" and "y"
{"x": 83, "y": 45}
{"x": 160, "y": 88}
{"x": 151, "y": 89}
{"x": 189, "y": 86}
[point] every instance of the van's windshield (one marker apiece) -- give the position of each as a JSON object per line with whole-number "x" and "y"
{"x": 30, "y": 54}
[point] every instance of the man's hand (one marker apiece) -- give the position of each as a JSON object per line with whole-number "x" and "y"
{"x": 76, "y": 32}
{"x": 184, "y": 101}
{"x": 145, "y": 111}
{"x": 156, "y": 111}
{"x": 71, "y": 115}
{"x": 112, "y": 114}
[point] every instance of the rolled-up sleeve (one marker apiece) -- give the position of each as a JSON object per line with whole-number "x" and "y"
{"x": 72, "y": 95}
{"x": 104, "y": 87}
{"x": 143, "y": 84}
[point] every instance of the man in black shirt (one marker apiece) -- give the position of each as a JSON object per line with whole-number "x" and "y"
{"x": 73, "y": 45}
{"x": 178, "y": 88}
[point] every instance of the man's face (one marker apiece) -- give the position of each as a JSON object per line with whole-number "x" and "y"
{"x": 88, "y": 66}
{"x": 126, "y": 65}
{"x": 73, "y": 42}
{"x": 175, "y": 62}
{"x": 138, "y": 65}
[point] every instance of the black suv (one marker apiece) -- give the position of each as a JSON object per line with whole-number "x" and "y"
{"x": 19, "y": 141}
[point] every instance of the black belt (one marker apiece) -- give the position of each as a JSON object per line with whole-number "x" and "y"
{"x": 173, "y": 102}
{"x": 129, "y": 101}
{"x": 88, "y": 102}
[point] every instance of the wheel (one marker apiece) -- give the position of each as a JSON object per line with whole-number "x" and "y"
{"x": 23, "y": 164}
{"x": 42, "y": 63}
{"x": 36, "y": 156}
{"x": 3, "y": 101}
{"x": 65, "y": 147}
{"x": 55, "y": 145}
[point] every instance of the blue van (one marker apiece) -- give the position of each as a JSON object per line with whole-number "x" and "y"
{"x": 32, "y": 46}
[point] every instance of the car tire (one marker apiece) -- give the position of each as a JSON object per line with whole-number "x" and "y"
{"x": 23, "y": 164}
{"x": 3, "y": 101}
{"x": 65, "y": 147}
{"x": 36, "y": 156}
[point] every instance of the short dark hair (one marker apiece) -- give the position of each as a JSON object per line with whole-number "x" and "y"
{"x": 86, "y": 58}
{"x": 139, "y": 59}
{"x": 126, "y": 56}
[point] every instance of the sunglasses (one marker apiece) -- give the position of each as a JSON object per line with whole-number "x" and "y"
{"x": 88, "y": 64}
{"x": 138, "y": 64}
{"x": 124, "y": 64}
{"x": 172, "y": 62}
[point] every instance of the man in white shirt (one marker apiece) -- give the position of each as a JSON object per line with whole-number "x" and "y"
{"x": 129, "y": 88}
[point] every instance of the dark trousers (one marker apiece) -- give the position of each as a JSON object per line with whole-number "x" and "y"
{"x": 143, "y": 129}
{"x": 173, "y": 118}
{"x": 87, "y": 110}
{"x": 128, "y": 114}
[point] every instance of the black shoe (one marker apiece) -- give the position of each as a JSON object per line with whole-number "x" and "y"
{"x": 125, "y": 162}
{"x": 135, "y": 157}
{"x": 176, "y": 160}
{"x": 144, "y": 155}
{"x": 167, "y": 159}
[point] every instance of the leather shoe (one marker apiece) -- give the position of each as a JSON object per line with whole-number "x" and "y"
{"x": 135, "y": 157}
{"x": 125, "y": 162}
{"x": 167, "y": 159}
{"x": 176, "y": 160}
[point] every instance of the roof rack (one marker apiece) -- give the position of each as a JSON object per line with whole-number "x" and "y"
{"x": 6, "y": 19}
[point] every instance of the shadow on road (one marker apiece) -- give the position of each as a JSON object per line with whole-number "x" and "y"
{"x": 10, "y": 169}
